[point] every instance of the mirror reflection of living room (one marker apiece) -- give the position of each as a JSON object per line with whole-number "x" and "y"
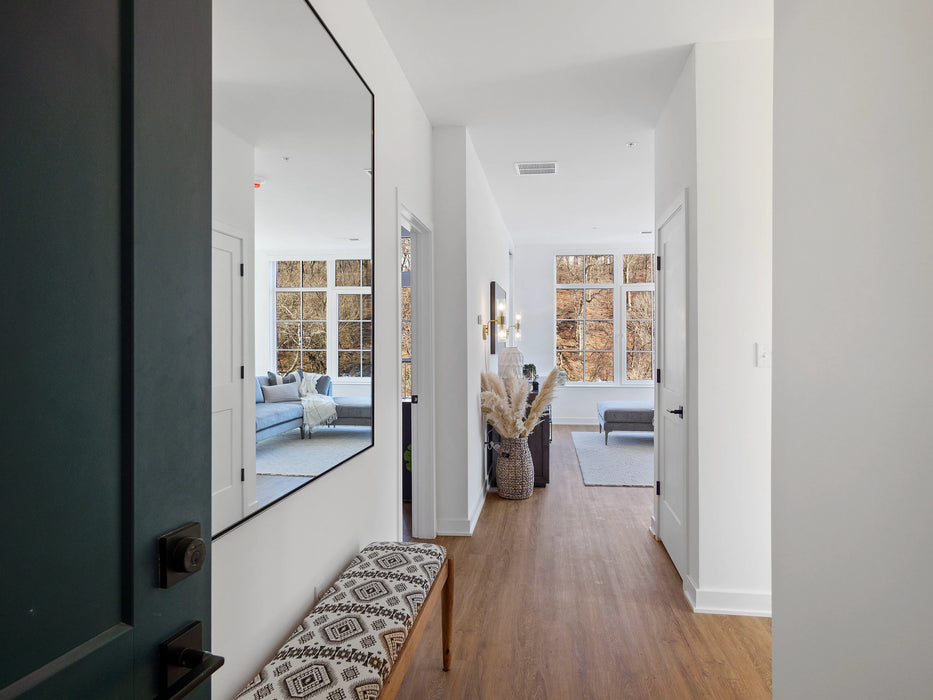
{"x": 292, "y": 291}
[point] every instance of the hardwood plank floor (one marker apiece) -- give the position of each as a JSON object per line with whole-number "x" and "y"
{"x": 567, "y": 596}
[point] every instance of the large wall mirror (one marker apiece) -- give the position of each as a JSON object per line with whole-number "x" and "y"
{"x": 293, "y": 198}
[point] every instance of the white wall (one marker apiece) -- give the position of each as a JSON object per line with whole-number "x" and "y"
{"x": 675, "y": 171}
{"x": 488, "y": 245}
{"x": 232, "y": 201}
{"x": 853, "y": 257}
{"x": 267, "y": 572}
{"x": 451, "y": 339}
{"x": 733, "y": 259}
{"x": 535, "y": 301}
{"x": 471, "y": 246}
{"x": 714, "y": 140}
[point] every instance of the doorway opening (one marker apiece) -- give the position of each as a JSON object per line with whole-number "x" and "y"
{"x": 416, "y": 314}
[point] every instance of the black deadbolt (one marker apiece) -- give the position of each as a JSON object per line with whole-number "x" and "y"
{"x": 188, "y": 554}
{"x": 182, "y": 553}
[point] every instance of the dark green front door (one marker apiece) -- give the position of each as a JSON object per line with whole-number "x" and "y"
{"x": 104, "y": 340}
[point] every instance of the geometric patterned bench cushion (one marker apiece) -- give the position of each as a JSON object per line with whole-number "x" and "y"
{"x": 345, "y": 647}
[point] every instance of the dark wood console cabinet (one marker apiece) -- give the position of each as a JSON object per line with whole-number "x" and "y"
{"x": 539, "y": 442}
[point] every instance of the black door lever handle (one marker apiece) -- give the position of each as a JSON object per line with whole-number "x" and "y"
{"x": 677, "y": 411}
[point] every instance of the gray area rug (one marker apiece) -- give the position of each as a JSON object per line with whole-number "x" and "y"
{"x": 288, "y": 455}
{"x": 628, "y": 459}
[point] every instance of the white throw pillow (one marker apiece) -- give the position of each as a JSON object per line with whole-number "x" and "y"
{"x": 280, "y": 392}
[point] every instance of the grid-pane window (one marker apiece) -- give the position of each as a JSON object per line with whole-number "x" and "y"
{"x": 323, "y": 317}
{"x": 301, "y": 316}
{"x": 604, "y": 303}
{"x": 638, "y": 299}
{"x": 585, "y": 317}
{"x": 354, "y": 273}
{"x": 354, "y": 335}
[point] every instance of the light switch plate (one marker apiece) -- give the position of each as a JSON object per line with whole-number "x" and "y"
{"x": 762, "y": 355}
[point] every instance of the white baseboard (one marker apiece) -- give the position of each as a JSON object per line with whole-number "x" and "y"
{"x": 715, "y": 602}
{"x": 458, "y": 527}
{"x": 573, "y": 420}
{"x": 477, "y": 509}
{"x": 690, "y": 592}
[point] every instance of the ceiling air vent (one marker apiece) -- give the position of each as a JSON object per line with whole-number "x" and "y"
{"x": 536, "y": 168}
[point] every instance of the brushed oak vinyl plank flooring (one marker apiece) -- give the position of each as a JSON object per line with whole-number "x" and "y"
{"x": 568, "y": 595}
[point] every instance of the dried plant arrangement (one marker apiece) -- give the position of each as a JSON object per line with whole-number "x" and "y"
{"x": 504, "y": 401}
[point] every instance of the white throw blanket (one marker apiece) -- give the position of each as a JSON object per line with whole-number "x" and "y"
{"x": 318, "y": 408}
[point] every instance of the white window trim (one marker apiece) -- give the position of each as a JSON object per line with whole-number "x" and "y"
{"x": 618, "y": 320}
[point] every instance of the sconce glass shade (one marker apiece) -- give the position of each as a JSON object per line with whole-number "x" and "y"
{"x": 510, "y": 363}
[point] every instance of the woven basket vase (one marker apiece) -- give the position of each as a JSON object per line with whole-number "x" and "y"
{"x": 515, "y": 472}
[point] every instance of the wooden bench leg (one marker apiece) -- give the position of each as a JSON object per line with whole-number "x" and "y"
{"x": 447, "y": 613}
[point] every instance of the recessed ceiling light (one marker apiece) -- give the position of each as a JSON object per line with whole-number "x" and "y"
{"x": 632, "y": 144}
{"x": 286, "y": 158}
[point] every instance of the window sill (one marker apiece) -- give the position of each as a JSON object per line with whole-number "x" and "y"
{"x": 610, "y": 385}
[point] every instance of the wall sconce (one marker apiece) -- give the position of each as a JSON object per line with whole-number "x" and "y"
{"x": 500, "y": 327}
{"x": 497, "y": 322}
{"x": 516, "y": 328}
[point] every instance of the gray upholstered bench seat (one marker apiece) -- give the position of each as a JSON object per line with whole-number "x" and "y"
{"x": 354, "y": 410}
{"x": 625, "y": 415}
{"x": 357, "y": 642}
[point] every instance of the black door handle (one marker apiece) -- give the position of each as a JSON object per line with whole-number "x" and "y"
{"x": 677, "y": 411}
{"x": 184, "y": 664}
{"x": 196, "y": 676}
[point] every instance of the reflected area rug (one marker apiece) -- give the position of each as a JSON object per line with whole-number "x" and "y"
{"x": 628, "y": 459}
{"x": 287, "y": 454}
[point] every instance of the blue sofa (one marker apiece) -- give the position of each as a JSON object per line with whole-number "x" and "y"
{"x": 282, "y": 416}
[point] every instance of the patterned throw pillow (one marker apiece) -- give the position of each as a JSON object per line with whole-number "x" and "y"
{"x": 294, "y": 377}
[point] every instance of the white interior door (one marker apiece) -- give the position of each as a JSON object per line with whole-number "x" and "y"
{"x": 671, "y": 421}
{"x": 226, "y": 379}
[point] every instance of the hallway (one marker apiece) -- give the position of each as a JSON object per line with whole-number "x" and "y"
{"x": 568, "y": 595}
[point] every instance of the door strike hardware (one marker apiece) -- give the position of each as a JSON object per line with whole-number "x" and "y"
{"x": 414, "y": 398}
{"x": 677, "y": 411}
{"x": 657, "y": 487}
{"x": 184, "y": 664}
{"x": 181, "y": 553}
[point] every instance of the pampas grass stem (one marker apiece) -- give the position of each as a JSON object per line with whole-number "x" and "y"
{"x": 504, "y": 403}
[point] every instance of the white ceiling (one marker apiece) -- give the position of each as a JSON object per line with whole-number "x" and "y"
{"x": 281, "y": 84}
{"x": 560, "y": 80}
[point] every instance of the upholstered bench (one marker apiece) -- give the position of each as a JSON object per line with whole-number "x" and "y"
{"x": 625, "y": 415}
{"x": 358, "y": 641}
